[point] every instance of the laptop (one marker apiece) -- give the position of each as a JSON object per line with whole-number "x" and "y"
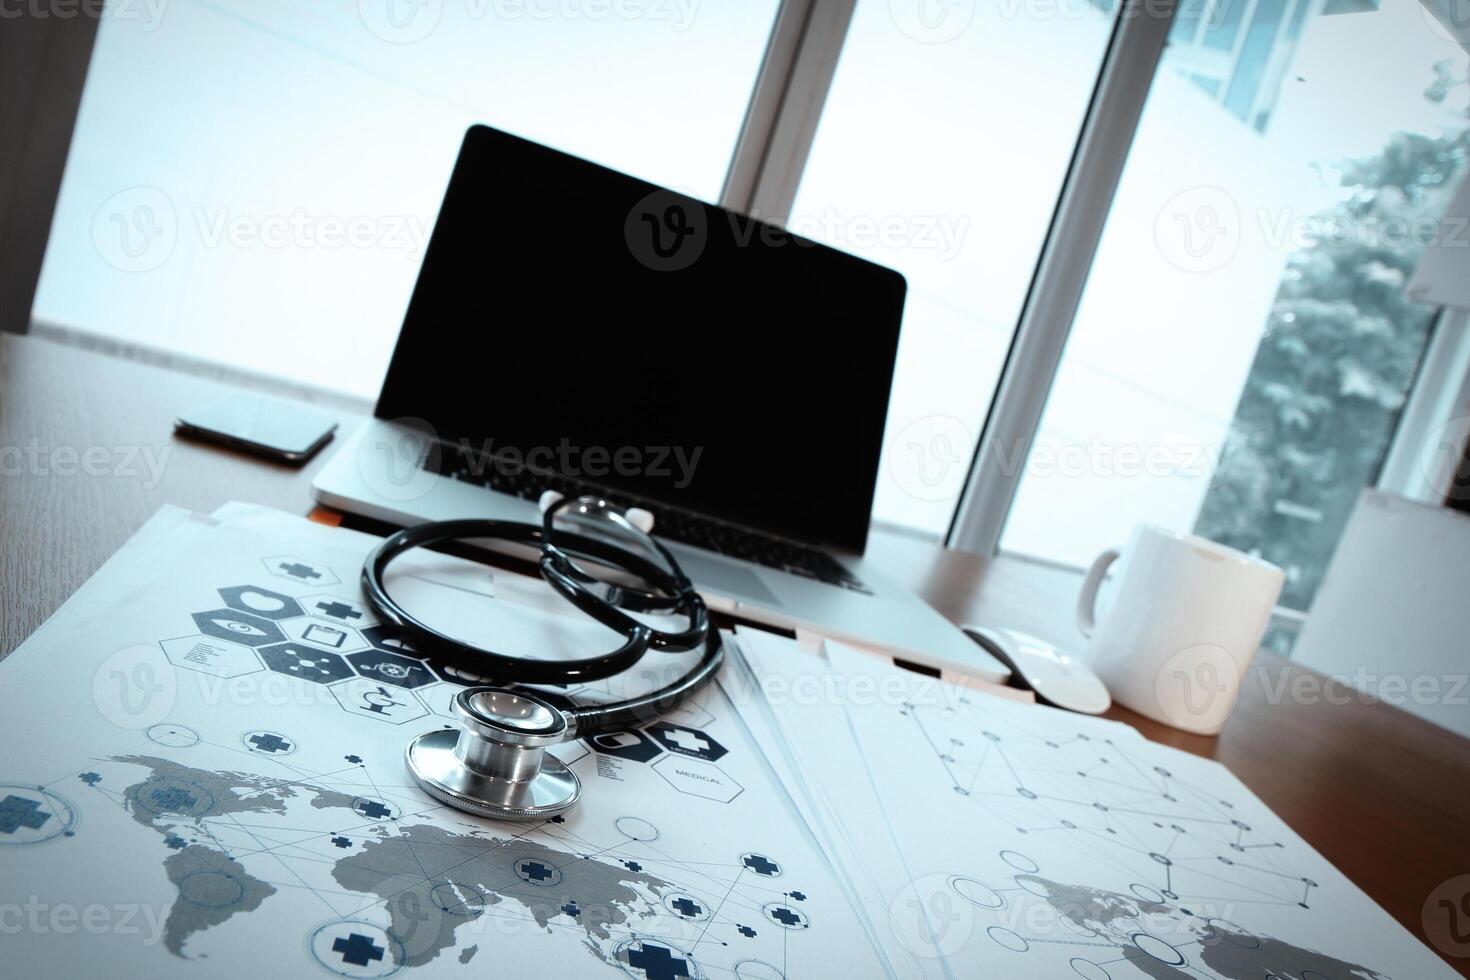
{"x": 577, "y": 329}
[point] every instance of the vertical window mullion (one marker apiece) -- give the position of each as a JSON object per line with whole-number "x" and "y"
{"x": 1061, "y": 273}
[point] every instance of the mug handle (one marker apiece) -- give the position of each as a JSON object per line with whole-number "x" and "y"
{"x": 1087, "y": 601}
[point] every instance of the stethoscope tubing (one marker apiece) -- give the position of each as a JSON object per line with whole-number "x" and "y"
{"x": 674, "y": 594}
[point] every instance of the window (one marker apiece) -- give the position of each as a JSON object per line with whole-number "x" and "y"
{"x": 1244, "y": 345}
{"x": 252, "y": 181}
{"x": 941, "y": 152}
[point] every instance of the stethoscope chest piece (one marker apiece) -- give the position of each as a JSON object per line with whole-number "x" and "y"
{"x": 495, "y": 765}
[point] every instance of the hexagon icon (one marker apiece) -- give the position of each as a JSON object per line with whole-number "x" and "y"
{"x": 687, "y": 741}
{"x": 363, "y": 696}
{"x": 440, "y": 698}
{"x": 218, "y": 658}
{"x": 238, "y": 627}
{"x": 303, "y": 571}
{"x": 628, "y": 744}
{"x": 261, "y": 602}
{"x": 391, "y": 639}
{"x": 306, "y": 662}
{"x": 339, "y": 609}
{"x": 697, "y": 778}
{"x": 328, "y": 636}
{"x": 389, "y": 668}
{"x": 690, "y": 715}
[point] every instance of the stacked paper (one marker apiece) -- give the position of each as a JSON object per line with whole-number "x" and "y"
{"x": 985, "y": 838}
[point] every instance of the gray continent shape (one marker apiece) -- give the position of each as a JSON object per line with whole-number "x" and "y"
{"x": 406, "y": 869}
{"x": 1227, "y": 950}
{"x": 211, "y": 886}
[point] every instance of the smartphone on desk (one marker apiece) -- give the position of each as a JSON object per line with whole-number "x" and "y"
{"x": 286, "y": 432}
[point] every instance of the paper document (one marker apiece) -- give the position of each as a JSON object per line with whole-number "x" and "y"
{"x": 210, "y": 782}
{"x": 996, "y": 839}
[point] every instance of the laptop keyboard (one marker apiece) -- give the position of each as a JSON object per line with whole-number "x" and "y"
{"x": 669, "y": 523}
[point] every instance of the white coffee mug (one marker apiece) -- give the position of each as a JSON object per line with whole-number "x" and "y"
{"x": 1182, "y": 627}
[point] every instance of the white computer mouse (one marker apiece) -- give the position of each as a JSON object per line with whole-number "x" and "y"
{"x": 1057, "y": 678}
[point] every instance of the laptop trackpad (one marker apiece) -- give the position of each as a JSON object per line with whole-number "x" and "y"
{"x": 726, "y": 579}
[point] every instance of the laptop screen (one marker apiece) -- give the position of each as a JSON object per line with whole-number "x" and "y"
{"x": 587, "y": 322}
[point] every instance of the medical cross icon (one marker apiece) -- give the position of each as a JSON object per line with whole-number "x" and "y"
{"x": 297, "y": 570}
{"x": 687, "y": 741}
{"x": 534, "y": 870}
{"x": 269, "y": 742}
{"x": 17, "y": 812}
{"x": 658, "y": 962}
{"x": 686, "y": 907}
{"x": 333, "y": 609}
{"x": 761, "y": 865}
{"x": 357, "y": 950}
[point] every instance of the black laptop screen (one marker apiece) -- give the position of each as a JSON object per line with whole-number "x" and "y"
{"x": 589, "y": 322}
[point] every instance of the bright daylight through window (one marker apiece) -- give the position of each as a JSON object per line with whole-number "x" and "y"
{"x": 1244, "y": 345}
{"x": 252, "y": 182}
{"x": 930, "y": 159}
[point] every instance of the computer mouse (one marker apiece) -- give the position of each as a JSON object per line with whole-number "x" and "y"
{"x": 1057, "y": 678}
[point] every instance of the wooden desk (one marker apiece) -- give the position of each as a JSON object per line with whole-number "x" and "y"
{"x": 1380, "y": 793}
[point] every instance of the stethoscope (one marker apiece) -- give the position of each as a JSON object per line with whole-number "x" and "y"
{"x": 496, "y": 764}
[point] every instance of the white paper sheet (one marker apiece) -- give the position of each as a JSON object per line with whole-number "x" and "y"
{"x": 210, "y": 782}
{"x": 1029, "y": 842}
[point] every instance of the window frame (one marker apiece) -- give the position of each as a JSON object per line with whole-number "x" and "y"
{"x": 771, "y": 152}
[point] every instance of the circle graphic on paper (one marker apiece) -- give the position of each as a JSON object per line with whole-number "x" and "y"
{"x": 33, "y": 815}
